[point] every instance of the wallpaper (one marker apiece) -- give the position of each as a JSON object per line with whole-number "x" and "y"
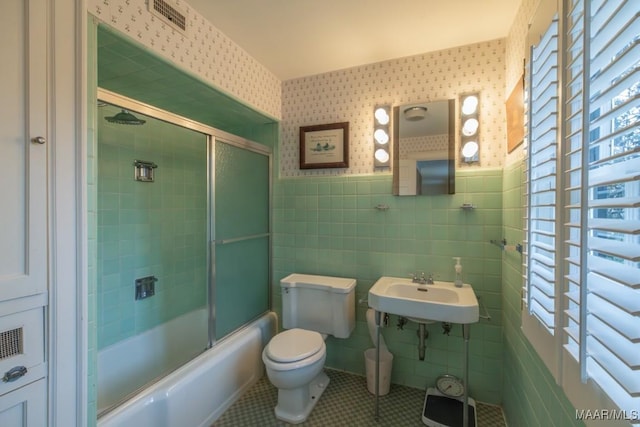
{"x": 351, "y": 94}
{"x": 516, "y": 47}
{"x": 204, "y": 51}
{"x": 417, "y": 144}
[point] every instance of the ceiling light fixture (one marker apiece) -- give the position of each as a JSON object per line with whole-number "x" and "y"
{"x": 415, "y": 113}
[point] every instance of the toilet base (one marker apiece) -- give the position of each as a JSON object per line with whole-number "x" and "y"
{"x": 295, "y": 405}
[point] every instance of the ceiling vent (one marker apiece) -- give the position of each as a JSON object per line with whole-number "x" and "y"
{"x": 169, "y": 13}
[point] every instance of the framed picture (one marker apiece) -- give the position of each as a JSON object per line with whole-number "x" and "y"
{"x": 324, "y": 146}
{"x": 515, "y": 116}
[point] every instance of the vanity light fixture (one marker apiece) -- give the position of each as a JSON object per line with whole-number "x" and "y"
{"x": 470, "y": 127}
{"x": 381, "y": 136}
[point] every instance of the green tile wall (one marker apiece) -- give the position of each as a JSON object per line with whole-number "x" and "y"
{"x": 145, "y": 229}
{"x": 531, "y": 396}
{"x": 329, "y": 226}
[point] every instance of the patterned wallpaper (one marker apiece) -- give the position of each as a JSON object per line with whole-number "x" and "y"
{"x": 421, "y": 144}
{"x": 351, "y": 94}
{"x": 204, "y": 51}
{"x": 343, "y": 95}
{"x": 516, "y": 47}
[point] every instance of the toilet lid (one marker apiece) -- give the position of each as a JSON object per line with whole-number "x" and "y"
{"x": 293, "y": 345}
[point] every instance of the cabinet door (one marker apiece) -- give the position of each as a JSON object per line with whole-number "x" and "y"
{"x": 25, "y": 407}
{"x": 23, "y": 148}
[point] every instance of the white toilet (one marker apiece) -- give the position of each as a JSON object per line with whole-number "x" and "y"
{"x": 312, "y": 308}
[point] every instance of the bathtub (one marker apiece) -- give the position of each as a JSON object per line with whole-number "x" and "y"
{"x": 197, "y": 393}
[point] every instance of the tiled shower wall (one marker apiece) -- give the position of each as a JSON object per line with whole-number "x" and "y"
{"x": 329, "y": 226}
{"x": 149, "y": 228}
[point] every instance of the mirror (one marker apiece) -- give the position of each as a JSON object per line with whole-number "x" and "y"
{"x": 424, "y": 156}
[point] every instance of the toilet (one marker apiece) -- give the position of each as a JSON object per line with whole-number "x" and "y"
{"x": 313, "y": 307}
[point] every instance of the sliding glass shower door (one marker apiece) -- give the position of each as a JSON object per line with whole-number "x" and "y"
{"x": 183, "y": 241}
{"x": 241, "y": 235}
{"x": 152, "y": 237}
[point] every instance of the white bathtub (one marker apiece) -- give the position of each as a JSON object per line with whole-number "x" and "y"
{"x": 197, "y": 393}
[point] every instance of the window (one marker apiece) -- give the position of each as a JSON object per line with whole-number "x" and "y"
{"x": 595, "y": 303}
{"x": 541, "y": 183}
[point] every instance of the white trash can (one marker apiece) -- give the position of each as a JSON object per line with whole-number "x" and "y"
{"x": 386, "y": 362}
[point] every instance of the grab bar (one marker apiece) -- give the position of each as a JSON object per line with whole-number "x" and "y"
{"x": 240, "y": 239}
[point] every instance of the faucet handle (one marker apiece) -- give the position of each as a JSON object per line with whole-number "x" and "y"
{"x": 430, "y": 278}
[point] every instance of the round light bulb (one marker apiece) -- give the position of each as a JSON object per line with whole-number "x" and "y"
{"x": 381, "y": 155}
{"x": 470, "y": 105}
{"x": 470, "y": 127}
{"x": 382, "y": 116}
{"x": 381, "y": 136}
{"x": 470, "y": 149}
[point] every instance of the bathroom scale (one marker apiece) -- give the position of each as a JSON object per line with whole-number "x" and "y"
{"x": 446, "y": 411}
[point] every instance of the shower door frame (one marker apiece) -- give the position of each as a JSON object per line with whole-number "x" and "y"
{"x": 254, "y": 147}
{"x": 213, "y": 136}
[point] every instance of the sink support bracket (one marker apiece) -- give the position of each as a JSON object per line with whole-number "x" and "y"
{"x": 377, "y": 375}
{"x": 466, "y": 328}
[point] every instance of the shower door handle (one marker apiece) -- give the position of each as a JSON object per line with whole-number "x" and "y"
{"x": 39, "y": 140}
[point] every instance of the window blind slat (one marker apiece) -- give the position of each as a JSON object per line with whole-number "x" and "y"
{"x": 616, "y": 202}
{"x": 605, "y": 91}
{"x": 624, "y": 250}
{"x": 621, "y": 273}
{"x": 615, "y": 173}
{"x": 627, "y": 152}
{"x": 619, "y": 28}
{"x": 603, "y": 124}
{"x": 625, "y": 298}
{"x": 613, "y": 387}
{"x": 619, "y": 320}
{"x": 542, "y": 314}
{"x": 544, "y": 280}
{"x": 615, "y": 225}
{"x": 628, "y": 351}
{"x": 625, "y": 376}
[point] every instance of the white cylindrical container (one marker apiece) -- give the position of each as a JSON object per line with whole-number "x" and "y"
{"x": 384, "y": 372}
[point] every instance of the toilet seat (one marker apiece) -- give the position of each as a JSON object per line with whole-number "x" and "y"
{"x": 294, "y": 345}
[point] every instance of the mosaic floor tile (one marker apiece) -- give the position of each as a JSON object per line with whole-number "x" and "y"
{"x": 346, "y": 402}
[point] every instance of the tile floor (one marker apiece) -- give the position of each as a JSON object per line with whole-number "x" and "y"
{"x": 346, "y": 402}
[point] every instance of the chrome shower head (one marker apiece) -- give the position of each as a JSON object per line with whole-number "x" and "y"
{"x": 125, "y": 118}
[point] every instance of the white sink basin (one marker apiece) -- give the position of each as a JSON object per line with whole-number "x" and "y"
{"x": 441, "y": 301}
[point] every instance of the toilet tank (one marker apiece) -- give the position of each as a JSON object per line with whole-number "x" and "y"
{"x": 324, "y": 304}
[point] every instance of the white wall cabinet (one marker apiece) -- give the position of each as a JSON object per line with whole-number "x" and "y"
{"x": 24, "y": 149}
{"x": 23, "y": 407}
{"x": 23, "y": 162}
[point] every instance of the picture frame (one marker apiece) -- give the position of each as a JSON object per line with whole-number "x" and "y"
{"x": 515, "y": 116}
{"x": 324, "y": 146}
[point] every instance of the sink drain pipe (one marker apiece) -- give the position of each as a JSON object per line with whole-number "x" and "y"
{"x": 423, "y": 334}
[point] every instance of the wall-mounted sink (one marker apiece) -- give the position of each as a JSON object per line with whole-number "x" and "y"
{"x": 440, "y": 301}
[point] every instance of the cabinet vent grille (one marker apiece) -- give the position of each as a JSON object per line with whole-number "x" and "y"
{"x": 11, "y": 343}
{"x": 169, "y": 13}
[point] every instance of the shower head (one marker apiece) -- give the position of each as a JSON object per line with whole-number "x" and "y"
{"x": 125, "y": 118}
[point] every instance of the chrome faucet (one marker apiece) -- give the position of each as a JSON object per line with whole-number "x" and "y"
{"x": 422, "y": 280}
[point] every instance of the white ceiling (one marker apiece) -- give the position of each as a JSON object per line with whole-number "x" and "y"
{"x": 296, "y": 38}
